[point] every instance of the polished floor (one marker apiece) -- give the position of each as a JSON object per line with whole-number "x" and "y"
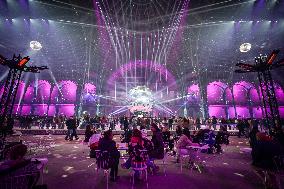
{"x": 70, "y": 167}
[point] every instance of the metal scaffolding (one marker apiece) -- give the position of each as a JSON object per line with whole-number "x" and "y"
{"x": 17, "y": 66}
{"x": 263, "y": 66}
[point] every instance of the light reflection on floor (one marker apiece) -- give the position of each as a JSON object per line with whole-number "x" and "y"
{"x": 70, "y": 160}
{"x": 238, "y": 174}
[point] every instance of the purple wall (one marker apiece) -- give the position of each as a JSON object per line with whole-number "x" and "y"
{"x": 241, "y": 89}
{"x": 229, "y": 96}
{"x": 193, "y": 93}
{"x": 68, "y": 92}
{"x": 68, "y": 89}
{"x": 54, "y": 95}
{"x": 40, "y": 109}
{"x": 240, "y": 94}
{"x": 16, "y": 109}
{"x": 29, "y": 95}
{"x": 257, "y": 112}
{"x": 43, "y": 91}
{"x": 254, "y": 96}
{"x": 67, "y": 109}
{"x": 26, "y": 110}
{"x": 279, "y": 95}
{"x": 281, "y": 111}
{"x": 231, "y": 112}
{"x": 90, "y": 88}
{"x": 20, "y": 92}
{"x": 217, "y": 111}
{"x": 215, "y": 92}
{"x": 243, "y": 111}
{"x": 51, "y": 110}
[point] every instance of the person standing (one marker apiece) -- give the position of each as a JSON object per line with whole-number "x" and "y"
{"x": 61, "y": 122}
{"x": 69, "y": 123}
{"x": 171, "y": 121}
{"x": 55, "y": 123}
{"x": 197, "y": 124}
{"x": 241, "y": 128}
{"x": 125, "y": 124}
{"x": 214, "y": 122}
{"x": 88, "y": 132}
{"x": 74, "y": 126}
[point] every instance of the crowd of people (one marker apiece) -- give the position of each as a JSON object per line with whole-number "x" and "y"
{"x": 264, "y": 146}
{"x": 143, "y": 151}
{"x": 168, "y": 135}
{"x": 124, "y": 123}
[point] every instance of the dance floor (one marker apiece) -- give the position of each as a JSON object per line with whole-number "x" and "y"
{"x": 70, "y": 167}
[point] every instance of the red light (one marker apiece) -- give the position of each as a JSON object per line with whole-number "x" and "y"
{"x": 272, "y": 57}
{"x": 24, "y": 61}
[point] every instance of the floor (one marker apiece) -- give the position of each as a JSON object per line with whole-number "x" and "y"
{"x": 70, "y": 167}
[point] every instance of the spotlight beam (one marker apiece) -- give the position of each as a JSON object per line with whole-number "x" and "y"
{"x": 119, "y": 110}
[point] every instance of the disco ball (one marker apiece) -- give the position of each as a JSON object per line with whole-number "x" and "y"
{"x": 35, "y": 45}
{"x": 245, "y": 47}
{"x": 140, "y": 98}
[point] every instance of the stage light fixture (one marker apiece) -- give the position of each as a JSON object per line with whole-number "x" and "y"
{"x": 35, "y": 45}
{"x": 24, "y": 61}
{"x": 245, "y": 47}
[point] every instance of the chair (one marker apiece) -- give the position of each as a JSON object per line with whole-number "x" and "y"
{"x": 182, "y": 156}
{"x": 279, "y": 164}
{"x": 103, "y": 161}
{"x": 25, "y": 175}
{"x": 24, "y": 181}
{"x": 195, "y": 157}
{"x": 163, "y": 163}
{"x": 226, "y": 140}
{"x": 166, "y": 147}
{"x": 209, "y": 138}
{"x": 139, "y": 167}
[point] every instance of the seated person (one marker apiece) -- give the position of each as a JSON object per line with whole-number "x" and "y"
{"x": 252, "y": 136}
{"x": 94, "y": 142}
{"x": 15, "y": 156}
{"x": 199, "y": 136}
{"x": 167, "y": 138}
{"x": 158, "y": 150}
{"x": 147, "y": 143}
{"x": 136, "y": 157}
{"x": 178, "y": 130}
{"x": 183, "y": 142}
{"x": 222, "y": 137}
{"x": 16, "y": 165}
{"x": 108, "y": 144}
{"x": 265, "y": 149}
